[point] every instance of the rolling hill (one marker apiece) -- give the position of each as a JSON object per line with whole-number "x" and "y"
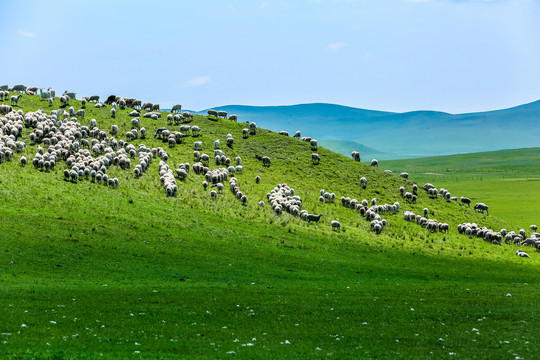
{"x": 507, "y": 180}
{"x": 410, "y": 134}
{"x": 88, "y": 270}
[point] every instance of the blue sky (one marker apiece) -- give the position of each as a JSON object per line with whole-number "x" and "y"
{"x": 395, "y": 55}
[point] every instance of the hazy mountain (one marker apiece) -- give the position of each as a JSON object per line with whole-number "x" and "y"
{"x": 409, "y": 134}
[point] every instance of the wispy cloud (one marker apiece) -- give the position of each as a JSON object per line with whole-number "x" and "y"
{"x": 336, "y": 46}
{"x": 264, "y": 4}
{"x": 27, "y": 34}
{"x": 198, "y": 81}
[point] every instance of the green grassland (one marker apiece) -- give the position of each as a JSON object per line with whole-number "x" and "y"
{"x": 87, "y": 271}
{"x": 508, "y": 180}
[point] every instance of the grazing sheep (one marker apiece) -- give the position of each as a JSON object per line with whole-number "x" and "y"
{"x": 404, "y": 175}
{"x": 465, "y": 200}
{"x": 261, "y": 203}
{"x": 314, "y": 144}
{"x": 177, "y": 108}
{"x": 213, "y": 113}
{"x": 533, "y": 228}
{"x": 283, "y": 132}
{"x": 23, "y": 161}
{"x": 15, "y": 99}
{"x": 363, "y": 182}
{"x": 252, "y": 128}
{"x": 297, "y": 135}
{"x": 426, "y": 212}
{"x": 244, "y": 198}
{"x": 266, "y": 161}
{"x": 481, "y": 207}
{"x": 315, "y": 158}
{"x": 197, "y": 145}
{"x": 93, "y": 98}
{"x": 335, "y": 225}
{"x": 19, "y": 87}
{"x": 355, "y": 155}
{"x": 374, "y": 162}
{"x": 257, "y": 179}
{"x": 312, "y": 217}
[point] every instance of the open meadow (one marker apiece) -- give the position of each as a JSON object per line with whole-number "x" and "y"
{"x": 508, "y": 180}
{"x": 89, "y": 271}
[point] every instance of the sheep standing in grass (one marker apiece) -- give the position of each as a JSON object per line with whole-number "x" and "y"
{"x": 15, "y": 99}
{"x": 465, "y": 200}
{"x": 257, "y": 179}
{"x": 266, "y": 161}
{"x": 213, "y": 113}
{"x": 252, "y": 128}
{"x": 335, "y": 225}
{"x": 355, "y": 155}
{"x": 363, "y": 182}
{"x": 374, "y": 163}
{"x": 481, "y": 207}
{"x": 23, "y": 161}
{"x": 314, "y": 144}
{"x": 315, "y": 158}
{"x": 312, "y": 217}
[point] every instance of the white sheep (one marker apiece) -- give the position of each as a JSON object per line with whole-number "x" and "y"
{"x": 521, "y": 253}
{"x": 335, "y": 225}
{"x": 315, "y": 158}
{"x": 363, "y": 182}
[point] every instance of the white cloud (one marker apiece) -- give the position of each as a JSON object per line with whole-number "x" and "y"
{"x": 27, "y": 34}
{"x": 336, "y": 46}
{"x": 198, "y": 81}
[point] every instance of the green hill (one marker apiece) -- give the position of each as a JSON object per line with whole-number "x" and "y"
{"x": 88, "y": 271}
{"x": 409, "y": 134}
{"x": 508, "y": 180}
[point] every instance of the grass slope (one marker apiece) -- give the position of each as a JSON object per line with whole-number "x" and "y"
{"x": 507, "y": 180}
{"x": 411, "y": 134}
{"x": 346, "y": 147}
{"x": 88, "y": 271}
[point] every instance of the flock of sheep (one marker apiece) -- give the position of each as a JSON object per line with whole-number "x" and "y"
{"x": 89, "y": 152}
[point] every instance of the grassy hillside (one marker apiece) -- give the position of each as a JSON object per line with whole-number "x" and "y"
{"x": 89, "y": 271}
{"x": 508, "y": 180}
{"x": 409, "y": 134}
{"x": 346, "y": 147}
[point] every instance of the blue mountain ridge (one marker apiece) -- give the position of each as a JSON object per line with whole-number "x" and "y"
{"x": 408, "y": 134}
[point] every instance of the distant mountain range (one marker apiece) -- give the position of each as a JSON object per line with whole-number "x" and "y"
{"x": 400, "y": 135}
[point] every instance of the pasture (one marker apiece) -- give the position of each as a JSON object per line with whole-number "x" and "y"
{"x": 88, "y": 271}
{"x": 508, "y": 181}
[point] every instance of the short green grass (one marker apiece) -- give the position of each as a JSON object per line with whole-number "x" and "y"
{"x": 508, "y": 181}
{"x": 87, "y": 271}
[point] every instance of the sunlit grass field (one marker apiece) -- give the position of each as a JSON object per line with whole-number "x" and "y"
{"x": 508, "y": 181}
{"x": 87, "y": 271}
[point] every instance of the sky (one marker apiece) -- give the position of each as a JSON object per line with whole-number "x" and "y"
{"x": 395, "y": 55}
